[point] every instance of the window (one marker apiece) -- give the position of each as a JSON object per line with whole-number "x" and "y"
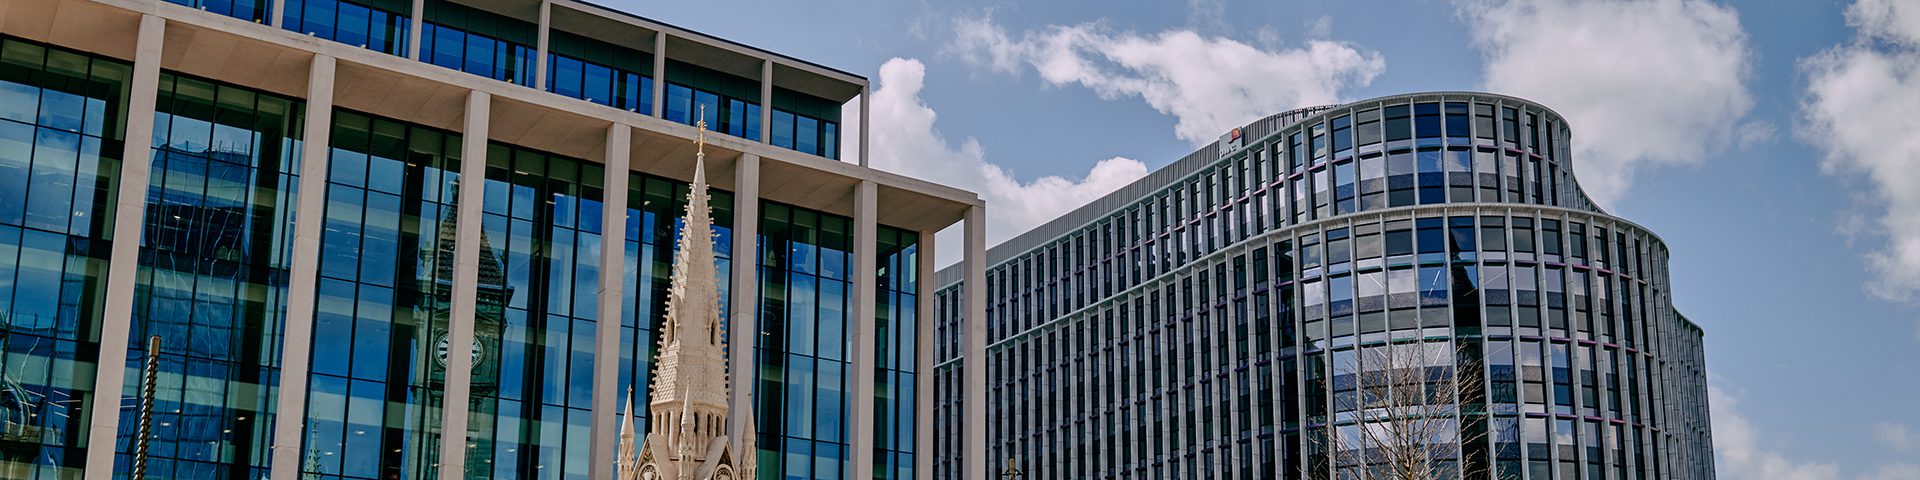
{"x": 1342, "y": 135}
{"x": 782, "y": 129}
{"x": 1426, "y": 120}
{"x": 341, "y": 21}
{"x": 1399, "y": 123}
{"x": 1458, "y": 120}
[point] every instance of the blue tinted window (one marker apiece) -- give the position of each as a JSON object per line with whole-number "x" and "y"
{"x": 753, "y": 121}
{"x": 565, "y": 77}
{"x": 707, "y": 107}
{"x": 598, "y": 86}
{"x": 782, "y": 129}
{"x": 830, "y": 140}
{"x": 345, "y": 22}
{"x": 679, "y": 103}
{"x": 806, "y": 135}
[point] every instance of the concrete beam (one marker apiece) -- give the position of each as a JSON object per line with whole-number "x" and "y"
{"x": 659, "y": 73}
{"x": 973, "y": 452}
{"x": 744, "y": 318}
{"x": 864, "y": 360}
{"x": 766, "y": 102}
{"x": 607, "y": 394}
{"x": 540, "y": 51}
{"x": 296, "y": 352}
{"x": 415, "y": 27}
{"x": 116, "y": 325}
{"x": 923, "y": 384}
{"x": 466, "y": 276}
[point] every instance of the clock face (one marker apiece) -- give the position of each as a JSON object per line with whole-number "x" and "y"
{"x": 440, "y": 351}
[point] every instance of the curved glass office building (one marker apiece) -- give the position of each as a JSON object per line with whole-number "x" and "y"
{"x": 1225, "y": 317}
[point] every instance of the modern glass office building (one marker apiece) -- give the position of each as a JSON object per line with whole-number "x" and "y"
{"x": 1223, "y": 317}
{"x": 431, "y": 239}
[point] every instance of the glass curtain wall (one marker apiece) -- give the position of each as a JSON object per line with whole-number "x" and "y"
{"x": 896, "y": 311}
{"x": 213, "y": 277}
{"x": 655, "y": 206}
{"x": 385, "y": 287}
{"x": 62, "y": 118}
{"x": 805, "y": 257}
{"x": 533, "y": 380}
{"x": 379, "y": 25}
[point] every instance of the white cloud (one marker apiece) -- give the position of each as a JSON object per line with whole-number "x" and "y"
{"x": 1644, "y": 83}
{"x": 1209, "y": 84}
{"x": 1743, "y": 455}
{"x": 905, "y": 140}
{"x": 1859, "y": 108}
{"x": 1893, "y": 435}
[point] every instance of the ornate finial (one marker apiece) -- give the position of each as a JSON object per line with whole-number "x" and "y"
{"x": 700, "y": 122}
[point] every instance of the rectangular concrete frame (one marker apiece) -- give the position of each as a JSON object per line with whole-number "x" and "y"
{"x": 326, "y": 74}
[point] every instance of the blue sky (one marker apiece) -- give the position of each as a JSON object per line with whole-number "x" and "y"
{"x": 1772, "y": 144}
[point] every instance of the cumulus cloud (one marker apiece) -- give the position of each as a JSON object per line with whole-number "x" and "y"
{"x": 1208, "y": 84}
{"x": 1644, "y": 83}
{"x": 1743, "y": 453}
{"x": 1859, "y": 109}
{"x": 905, "y": 140}
{"x": 1894, "y": 435}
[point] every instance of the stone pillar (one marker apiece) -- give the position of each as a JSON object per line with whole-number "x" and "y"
{"x": 607, "y": 394}
{"x": 866, "y": 118}
{"x": 659, "y": 74}
{"x": 136, "y": 165}
{"x": 973, "y": 452}
{"x": 743, "y": 317}
{"x": 296, "y": 352}
{"x": 924, "y": 325}
{"x": 766, "y": 102}
{"x": 864, "y": 362}
{"x": 466, "y": 276}
{"x": 415, "y": 28}
{"x": 540, "y": 52}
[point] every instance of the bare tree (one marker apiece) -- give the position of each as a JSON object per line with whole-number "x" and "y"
{"x": 1403, "y": 411}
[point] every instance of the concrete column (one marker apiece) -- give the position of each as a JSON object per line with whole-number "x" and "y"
{"x": 278, "y": 12}
{"x": 129, "y": 216}
{"x": 297, "y": 351}
{"x": 540, "y": 52}
{"x": 413, "y": 36}
{"x": 973, "y": 348}
{"x": 863, "y": 357}
{"x": 766, "y": 102}
{"x": 744, "y": 317}
{"x": 466, "y": 274}
{"x": 866, "y": 118}
{"x": 659, "y": 74}
{"x": 925, "y": 324}
{"x": 607, "y": 394}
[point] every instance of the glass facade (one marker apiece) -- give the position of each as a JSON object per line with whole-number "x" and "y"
{"x": 504, "y": 48}
{"x": 62, "y": 121}
{"x": 533, "y": 382}
{"x": 213, "y": 276}
{"x": 381, "y": 27}
{"x": 655, "y": 207}
{"x": 383, "y": 296}
{"x": 896, "y": 347}
{"x": 805, "y": 374}
{"x": 1230, "y": 324}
